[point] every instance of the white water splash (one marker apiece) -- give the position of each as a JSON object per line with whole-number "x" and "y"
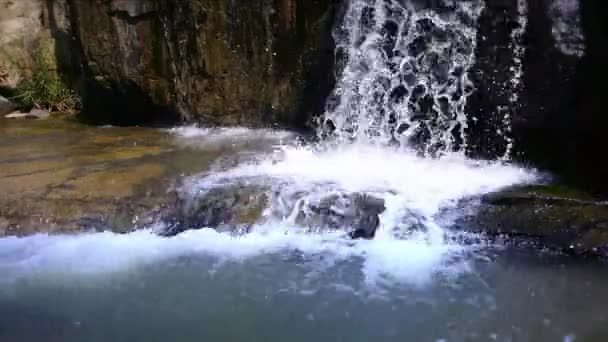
{"x": 422, "y": 183}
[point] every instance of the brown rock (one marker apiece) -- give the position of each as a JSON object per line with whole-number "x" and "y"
{"x": 218, "y": 62}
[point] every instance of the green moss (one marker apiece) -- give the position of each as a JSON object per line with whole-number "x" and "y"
{"x": 560, "y": 191}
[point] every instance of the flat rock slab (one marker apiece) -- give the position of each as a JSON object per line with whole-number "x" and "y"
{"x": 570, "y": 223}
{"x": 60, "y": 176}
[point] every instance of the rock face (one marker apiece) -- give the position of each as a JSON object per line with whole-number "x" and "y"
{"x": 217, "y": 62}
{"x": 22, "y": 27}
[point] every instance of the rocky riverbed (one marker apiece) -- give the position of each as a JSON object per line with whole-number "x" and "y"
{"x": 60, "y": 176}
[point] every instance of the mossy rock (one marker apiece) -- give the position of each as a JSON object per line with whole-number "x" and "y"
{"x": 554, "y": 216}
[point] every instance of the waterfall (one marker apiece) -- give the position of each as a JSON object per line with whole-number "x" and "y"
{"x": 404, "y": 78}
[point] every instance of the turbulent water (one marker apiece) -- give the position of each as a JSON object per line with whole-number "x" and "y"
{"x": 394, "y": 130}
{"x": 296, "y": 176}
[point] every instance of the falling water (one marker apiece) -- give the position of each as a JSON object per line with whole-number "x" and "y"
{"x": 517, "y": 71}
{"x": 405, "y": 75}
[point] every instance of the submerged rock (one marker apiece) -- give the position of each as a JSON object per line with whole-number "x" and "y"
{"x": 223, "y": 62}
{"x": 571, "y": 224}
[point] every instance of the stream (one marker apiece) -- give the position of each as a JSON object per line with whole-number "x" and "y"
{"x": 237, "y": 234}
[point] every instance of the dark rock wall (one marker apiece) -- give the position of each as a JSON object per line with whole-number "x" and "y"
{"x": 556, "y": 112}
{"x": 563, "y": 120}
{"x": 253, "y": 62}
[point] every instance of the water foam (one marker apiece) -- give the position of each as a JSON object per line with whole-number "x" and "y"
{"x": 422, "y": 183}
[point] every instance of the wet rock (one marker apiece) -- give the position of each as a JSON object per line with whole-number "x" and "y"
{"x": 356, "y": 213}
{"x": 571, "y": 224}
{"x": 233, "y": 209}
{"x": 6, "y": 106}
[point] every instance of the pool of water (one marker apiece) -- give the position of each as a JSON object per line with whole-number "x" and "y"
{"x": 490, "y": 294}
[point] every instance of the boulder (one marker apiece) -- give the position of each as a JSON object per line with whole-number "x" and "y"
{"x": 231, "y": 209}
{"x": 6, "y": 106}
{"x": 358, "y": 214}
